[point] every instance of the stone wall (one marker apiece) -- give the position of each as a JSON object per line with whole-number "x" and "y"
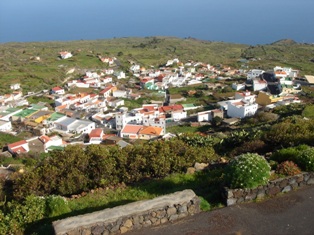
{"x": 282, "y": 185}
{"x": 135, "y": 215}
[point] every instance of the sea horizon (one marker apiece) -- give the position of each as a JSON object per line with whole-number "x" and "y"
{"x": 240, "y": 22}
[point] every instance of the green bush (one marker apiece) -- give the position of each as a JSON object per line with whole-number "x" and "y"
{"x": 15, "y": 216}
{"x": 56, "y": 205}
{"x": 288, "y": 154}
{"x": 288, "y": 168}
{"x": 247, "y": 171}
{"x": 306, "y": 160}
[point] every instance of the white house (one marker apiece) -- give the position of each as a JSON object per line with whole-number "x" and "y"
{"x": 238, "y": 86}
{"x": 15, "y": 86}
{"x": 254, "y": 73}
{"x": 131, "y": 131}
{"x": 120, "y": 74}
{"x": 115, "y": 102}
{"x": 65, "y": 54}
{"x": 120, "y": 94}
{"x": 5, "y": 126}
{"x": 57, "y": 90}
{"x": 71, "y": 125}
{"x": 51, "y": 141}
{"x": 96, "y": 136}
{"x": 209, "y": 115}
{"x": 245, "y": 95}
{"x": 18, "y": 147}
{"x": 259, "y": 84}
{"x": 241, "y": 109}
{"x": 106, "y": 79}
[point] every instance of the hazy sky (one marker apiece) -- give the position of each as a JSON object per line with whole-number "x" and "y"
{"x": 241, "y": 21}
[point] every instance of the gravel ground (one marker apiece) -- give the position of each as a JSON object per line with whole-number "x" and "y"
{"x": 291, "y": 213}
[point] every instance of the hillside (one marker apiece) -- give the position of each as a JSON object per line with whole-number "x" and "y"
{"x": 18, "y": 63}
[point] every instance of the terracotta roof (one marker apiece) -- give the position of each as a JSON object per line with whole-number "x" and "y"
{"x": 151, "y": 130}
{"x": 57, "y": 88}
{"x": 44, "y": 138}
{"x": 132, "y": 129}
{"x": 95, "y": 133}
{"x": 16, "y": 144}
{"x": 19, "y": 150}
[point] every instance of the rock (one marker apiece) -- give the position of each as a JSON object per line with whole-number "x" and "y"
{"x": 182, "y": 209}
{"x": 190, "y": 170}
{"x": 260, "y": 194}
{"x": 286, "y": 189}
{"x": 171, "y": 211}
{"x": 200, "y": 166}
{"x": 86, "y": 231}
{"x": 164, "y": 220}
{"x": 160, "y": 214}
{"x": 292, "y": 181}
{"x": 98, "y": 230}
{"x": 173, "y": 217}
{"x": 231, "y": 201}
{"x": 283, "y": 183}
{"x": 273, "y": 191}
{"x": 250, "y": 197}
{"x": 128, "y": 223}
{"x": 240, "y": 200}
{"x": 310, "y": 181}
{"x": 124, "y": 229}
{"x": 238, "y": 193}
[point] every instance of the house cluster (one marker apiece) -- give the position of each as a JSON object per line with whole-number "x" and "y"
{"x": 177, "y": 74}
{"x": 105, "y": 105}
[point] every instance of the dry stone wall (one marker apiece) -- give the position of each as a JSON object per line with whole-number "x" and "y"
{"x": 132, "y": 216}
{"x": 282, "y": 185}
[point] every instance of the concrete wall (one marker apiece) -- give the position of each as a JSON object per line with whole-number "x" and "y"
{"x": 135, "y": 215}
{"x": 282, "y": 185}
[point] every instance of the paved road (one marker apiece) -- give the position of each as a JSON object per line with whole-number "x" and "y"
{"x": 291, "y": 213}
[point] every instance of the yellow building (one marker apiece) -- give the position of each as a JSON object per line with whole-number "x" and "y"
{"x": 265, "y": 98}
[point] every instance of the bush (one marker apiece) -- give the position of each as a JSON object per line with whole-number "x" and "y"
{"x": 288, "y": 154}
{"x": 306, "y": 159}
{"x": 56, "y": 205}
{"x": 256, "y": 146}
{"x": 15, "y": 216}
{"x": 247, "y": 171}
{"x": 288, "y": 168}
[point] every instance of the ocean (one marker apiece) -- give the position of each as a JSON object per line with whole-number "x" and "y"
{"x": 241, "y": 21}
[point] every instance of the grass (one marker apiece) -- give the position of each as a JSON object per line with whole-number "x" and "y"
{"x": 205, "y": 184}
{"x": 7, "y": 139}
{"x": 308, "y": 112}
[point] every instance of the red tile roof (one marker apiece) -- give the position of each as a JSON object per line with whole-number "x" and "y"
{"x": 16, "y": 144}
{"x": 132, "y": 129}
{"x": 96, "y": 133}
{"x": 151, "y": 130}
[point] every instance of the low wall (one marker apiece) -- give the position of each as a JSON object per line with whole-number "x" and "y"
{"x": 282, "y": 185}
{"x": 135, "y": 215}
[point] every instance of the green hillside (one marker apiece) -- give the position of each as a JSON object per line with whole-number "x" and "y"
{"x": 17, "y": 62}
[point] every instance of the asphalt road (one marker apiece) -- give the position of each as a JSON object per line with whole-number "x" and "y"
{"x": 291, "y": 213}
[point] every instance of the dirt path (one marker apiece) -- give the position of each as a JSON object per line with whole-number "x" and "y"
{"x": 291, "y": 213}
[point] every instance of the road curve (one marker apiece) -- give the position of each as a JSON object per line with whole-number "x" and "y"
{"x": 291, "y": 213}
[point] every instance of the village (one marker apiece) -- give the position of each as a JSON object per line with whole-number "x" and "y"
{"x": 103, "y": 117}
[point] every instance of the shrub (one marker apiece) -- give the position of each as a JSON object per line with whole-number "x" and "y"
{"x": 56, "y": 205}
{"x": 247, "y": 171}
{"x": 288, "y": 168}
{"x": 256, "y": 146}
{"x": 15, "y": 216}
{"x": 306, "y": 159}
{"x": 288, "y": 154}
